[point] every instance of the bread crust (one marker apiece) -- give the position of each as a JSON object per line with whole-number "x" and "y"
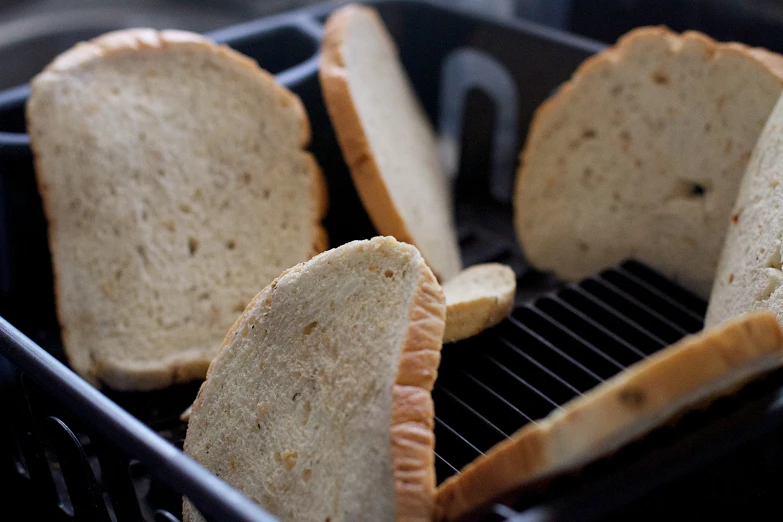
{"x": 348, "y": 127}
{"x": 698, "y": 368}
{"x": 144, "y": 375}
{"x": 321, "y": 199}
{"x": 770, "y": 61}
{"x": 413, "y": 413}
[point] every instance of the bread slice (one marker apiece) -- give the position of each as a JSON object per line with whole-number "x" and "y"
{"x": 750, "y": 271}
{"x": 478, "y": 298}
{"x": 174, "y": 181}
{"x": 386, "y": 138}
{"x": 318, "y": 405}
{"x": 698, "y": 368}
{"x": 641, "y": 155}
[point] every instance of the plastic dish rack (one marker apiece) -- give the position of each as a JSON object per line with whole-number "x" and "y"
{"x": 70, "y": 452}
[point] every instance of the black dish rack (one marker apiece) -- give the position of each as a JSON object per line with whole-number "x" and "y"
{"x": 70, "y": 452}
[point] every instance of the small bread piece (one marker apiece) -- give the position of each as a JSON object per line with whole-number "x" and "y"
{"x": 386, "y": 138}
{"x": 318, "y": 406}
{"x": 175, "y": 184}
{"x": 478, "y": 298}
{"x": 750, "y": 271}
{"x": 699, "y": 368}
{"x": 641, "y": 155}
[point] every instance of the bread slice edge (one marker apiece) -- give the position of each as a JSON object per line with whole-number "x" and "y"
{"x": 348, "y": 128}
{"x": 354, "y": 142}
{"x": 413, "y": 411}
{"x": 693, "y": 371}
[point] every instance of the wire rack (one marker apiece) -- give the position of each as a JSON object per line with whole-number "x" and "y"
{"x": 550, "y": 351}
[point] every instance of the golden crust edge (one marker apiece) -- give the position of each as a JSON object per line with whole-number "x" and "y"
{"x": 413, "y": 416}
{"x": 468, "y": 318}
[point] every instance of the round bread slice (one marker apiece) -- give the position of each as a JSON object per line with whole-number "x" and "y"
{"x": 175, "y": 183}
{"x": 318, "y": 405}
{"x": 641, "y": 155}
{"x": 386, "y": 138}
{"x": 692, "y": 372}
{"x": 478, "y": 298}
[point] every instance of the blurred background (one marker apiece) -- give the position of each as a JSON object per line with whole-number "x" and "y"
{"x": 34, "y": 31}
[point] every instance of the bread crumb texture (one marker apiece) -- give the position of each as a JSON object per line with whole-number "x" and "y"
{"x": 318, "y": 405}
{"x": 175, "y": 184}
{"x": 478, "y": 298}
{"x": 641, "y": 155}
{"x": 386, "y": 138}
{"x": 750, "y": 272}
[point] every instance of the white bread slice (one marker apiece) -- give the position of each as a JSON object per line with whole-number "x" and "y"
{"x": 750, "y": 271}
{"x": 478, "y": 298}
{"x": 699, "y": 368}
{"x": 318, "y": 405}
{"x": 174, "y": 181}
{"x": 641, "y": 155}
{"x": 386, "y": 138}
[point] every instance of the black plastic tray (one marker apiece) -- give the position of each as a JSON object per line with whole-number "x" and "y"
{"x": 64, "y": 436}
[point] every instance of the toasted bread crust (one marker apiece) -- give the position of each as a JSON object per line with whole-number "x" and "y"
{"x": 413, "y": 414}
{"x": 321, "y": 198}
{"x": 123, "y": 374}
{"x": 693, "y": 371}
